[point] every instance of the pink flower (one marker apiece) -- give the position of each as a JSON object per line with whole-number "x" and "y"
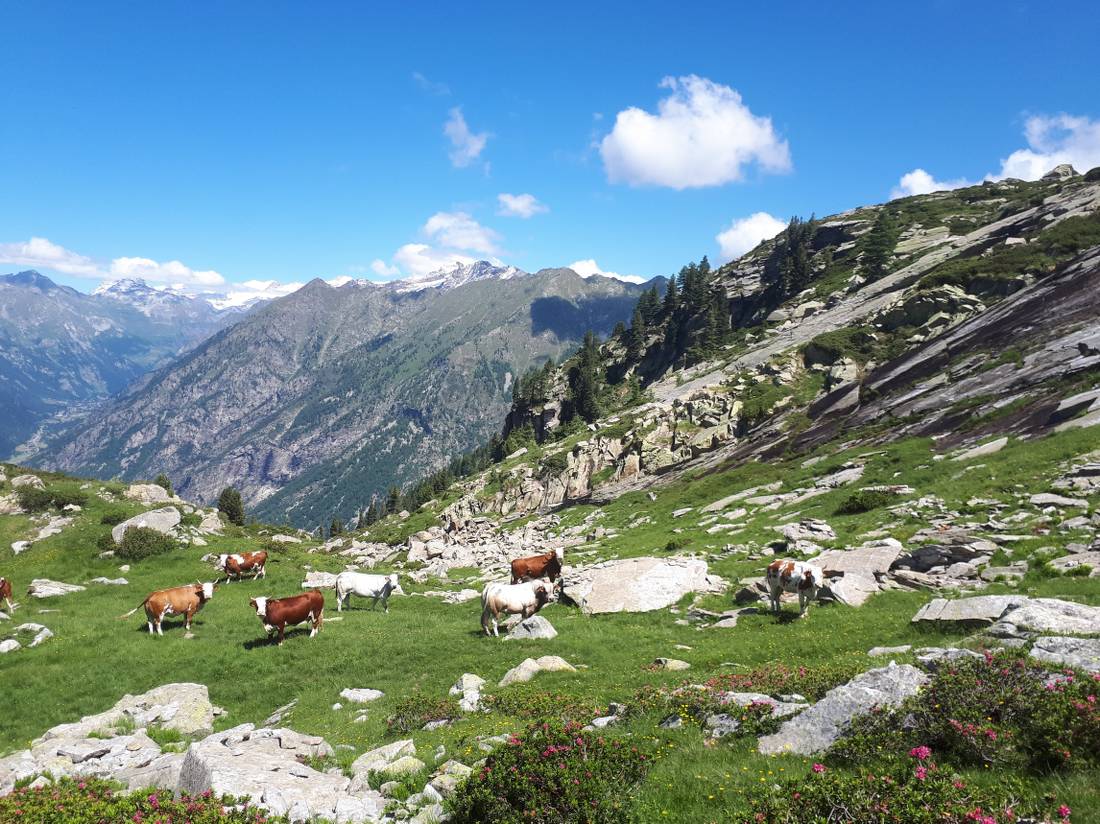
{"x": 818, "y": 768}
{"x": 1064, "y": 811}
{"x": 920, "y": 753}
{"x": 921, "y": 773}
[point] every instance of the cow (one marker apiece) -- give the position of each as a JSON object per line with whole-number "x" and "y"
{"x": 793, "y": 576}
{"x": 378, "y": 587}
{"x": 5, "y": 593}
{"x": 538, "y": 566}
{"x": 513, "y": 599}
{"x": 235, "y": 566}
{"x": 185, "y": 601}
{"x": 280, "y": 613}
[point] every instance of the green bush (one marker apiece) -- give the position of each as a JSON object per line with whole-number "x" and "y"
{"x": 142, "y": 542}
{"x": 918, "y": 792}
{"x": 415, "y": 710}
{"x": 864, "y": 500}
{"x": 94, "y": 801}
{"x": 538, "y": 704}
{"x": 1002, "y": 711}
{"x": 106, "y": 543}
{"x": 553, "y": 465}
{"x": 39, "y": 500}
{"x": 553, "y": 773}
{"x": 113, "y": 517}
{"x": 231, "y": 506}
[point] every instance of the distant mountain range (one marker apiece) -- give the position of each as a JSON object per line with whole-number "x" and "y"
{"x": 61, "y": 349}
{"x": 313, "y": 402}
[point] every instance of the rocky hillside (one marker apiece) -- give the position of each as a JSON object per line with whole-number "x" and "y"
{"x": 974, "y": 313}
{"x": 62, "y": 350}
{"x": 319, "y": 400}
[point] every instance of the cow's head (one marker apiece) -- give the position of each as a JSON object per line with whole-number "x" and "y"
{"x": 395, "y": 585}
{"x": 542, "y": 595}
{"x": 260, "y": 605}
{"x": 205, "y": 590}
{"x": 559, "y": 553}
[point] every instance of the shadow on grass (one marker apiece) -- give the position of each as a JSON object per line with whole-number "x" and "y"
{"x": 273, "y": 639}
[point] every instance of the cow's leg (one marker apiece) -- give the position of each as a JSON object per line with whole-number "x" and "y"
{"x": 386, "y": 603}
{"x": 150, "y": 625}
{"x": 160, "y": 629}
{"x": 339, "y": 601}
{"x": 485, "y": 620}
{"x": 282, "y": 633}
{"x": 773, "y": 597}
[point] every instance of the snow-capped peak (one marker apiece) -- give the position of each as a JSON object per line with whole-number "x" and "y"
{"x": 460, "y": 275}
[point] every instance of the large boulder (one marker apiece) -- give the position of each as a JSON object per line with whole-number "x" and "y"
{"x": 267, "y": 766}
{"x": 319, "y": 580}
{"x": 1083, "y": 653}
{"x": 148, "y": 494}
{"x": 637, "y": 584}
{"x": 163, "y": 520}
{"x": 817, "y": 728}
{"x": 532, "y": 628}
{"x": 530, "y": 667}
{"x": 976, "y": 612}
{"x": 184, "y": 708}
{"x": 1046, "y": 615}
{"x": 45, "y": 588}
{"x": 27, "y": 482}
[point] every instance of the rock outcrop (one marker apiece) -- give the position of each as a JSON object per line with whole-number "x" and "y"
{"x": 637, "y": 584}
{"x": 162, "y": 520}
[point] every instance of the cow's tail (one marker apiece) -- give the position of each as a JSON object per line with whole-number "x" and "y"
{"x": 135, "y": 609}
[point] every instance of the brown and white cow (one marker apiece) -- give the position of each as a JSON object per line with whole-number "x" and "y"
{"x": 5, "y": 593}
{"x": 185, "y": 601}
{"x": 280, "y": 613}
{"x": 512, "y": 599}
{"x": 547, "y": 565}
{"x": 786, "y": 575}
{"x": 236, "y": 565}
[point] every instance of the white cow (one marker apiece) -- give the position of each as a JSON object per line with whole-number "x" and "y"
{"x": 786, "y": 575}
{"x": 378, "y": 587}
{"x": 513, "y": 599}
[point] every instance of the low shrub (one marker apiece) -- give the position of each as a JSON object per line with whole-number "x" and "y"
{"x": 190, "y": 519}
{"x": 106, "y": 543}
{"x": 94, "y": 801}
{"x": 142, "y": 542}
{"x": 415, "y": 710}
{"x": 1004, "y": 711}
{"x": 917, "y": 792}
{"x": 553, "y": 773}
{"x": 113, "y": 517}
{"x": 553, "y": 465}
{"x": 864, "y": 500}
{"x": 531, "y": 704}
{"x": 39, "y": 500}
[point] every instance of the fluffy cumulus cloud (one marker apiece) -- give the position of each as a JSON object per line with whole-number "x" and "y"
{"x": 743, "y": 234}
{"x": 458, "y": 230}
{"x": 524, "y": 206}
{"x": 1051, "y": 140}
{"x": 703, "y": 134}
{"x": 40, "y": 253}
{"x": 449, "y": 239}
{"x": 172, "y": 272}
{"x": 588, "y": 268}
{"x": 466, "y": 145}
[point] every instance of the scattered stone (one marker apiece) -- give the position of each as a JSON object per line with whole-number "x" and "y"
{"x": 148, "y": 494}
{"x": 1082, "y": 653}
{"x": 361, "y": 696}
{"x": 27, "y": 482}
{"x": 531, "y": 667}
{"x": 45, "y": 588}
{"x": 932, "y": 658}
{"x": 117, "y": 582}
{"x": 874, "y": 652}
{"x": 990, "y": 448}
{"x": 673, "y": 664}
{"x": 286, "y": 539}
{"x": 535, "y": 627}
{"x": 20, "y": 547}
{"x": 282, "y": 712}
{"x": 1061, "y": 501}
{"x": 10, "y": 645}
{"x": 818, "y": 727}
{"x": 319, "y": 580}
{"x": 677, "y": 513}
{"x": 41, "y": 633}
{"x": 1046, "y": 615}
{"x": 163, "y": 520}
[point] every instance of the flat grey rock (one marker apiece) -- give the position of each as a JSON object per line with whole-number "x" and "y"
{"x": 979, "y": 611}
{"x": 1045, "y": 616}
{"x": 532, "y": 628}
{"x": 1082, "y": 653}
{"x": 163, "y": 520}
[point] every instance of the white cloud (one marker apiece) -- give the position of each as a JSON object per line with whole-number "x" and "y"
{"x": 467, "y": 146}
{"x": 172, "y": 272}
{"x": 419, "y": 259}
{"x": 460, "y": 231}
{"x": 588, "y": 268}
{"x": 1051, "y": 140}
{"x": 920, "y": 182}
{"x": 702, "y": 135}
{"x": 524, "y": 206}
{"x": 431, "y": 86}
{"x": 743, "y": 234}
{"x": 40, "y": 253}
{"x": 383, "y": 269}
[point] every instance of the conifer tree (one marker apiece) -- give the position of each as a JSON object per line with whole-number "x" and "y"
{"x": 162, "y": 481}
{"x": 230, "y": 505}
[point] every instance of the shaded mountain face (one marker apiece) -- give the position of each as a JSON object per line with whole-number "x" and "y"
{"x": 318, "y": 400}
{"x": 62, "y": 349}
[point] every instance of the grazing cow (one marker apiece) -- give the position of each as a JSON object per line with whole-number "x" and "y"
{"x": 378, "y": 587}
{"x": 513, "y": 599}
{"x": 793, "y": 576}
{"x": 185, "y": 601}
{"x": 538, "y": 566}
{"x": 235, "y": 566}
{"x": 280, "y": 613}
{"x": 5, "y": 593}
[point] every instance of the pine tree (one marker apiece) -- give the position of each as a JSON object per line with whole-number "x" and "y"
{"x": 162, "y": 481}
{"x": 230, "y": 505}
{"x": 672, "y": 299}
{"x": 878, "y": 246}
{"x": 585, "y": 379}
{"x": 636, "y": 340}
{"x": 336, "y": 528}
{"x": 393, "y": 500}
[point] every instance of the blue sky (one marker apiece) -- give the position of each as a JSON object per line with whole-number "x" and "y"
{"x": 198, "y": 143}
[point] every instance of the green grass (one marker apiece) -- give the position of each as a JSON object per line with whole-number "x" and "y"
{"x": 423, "y": 645}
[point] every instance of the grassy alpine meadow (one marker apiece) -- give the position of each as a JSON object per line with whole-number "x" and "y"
{"x": 416, "y": 651}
